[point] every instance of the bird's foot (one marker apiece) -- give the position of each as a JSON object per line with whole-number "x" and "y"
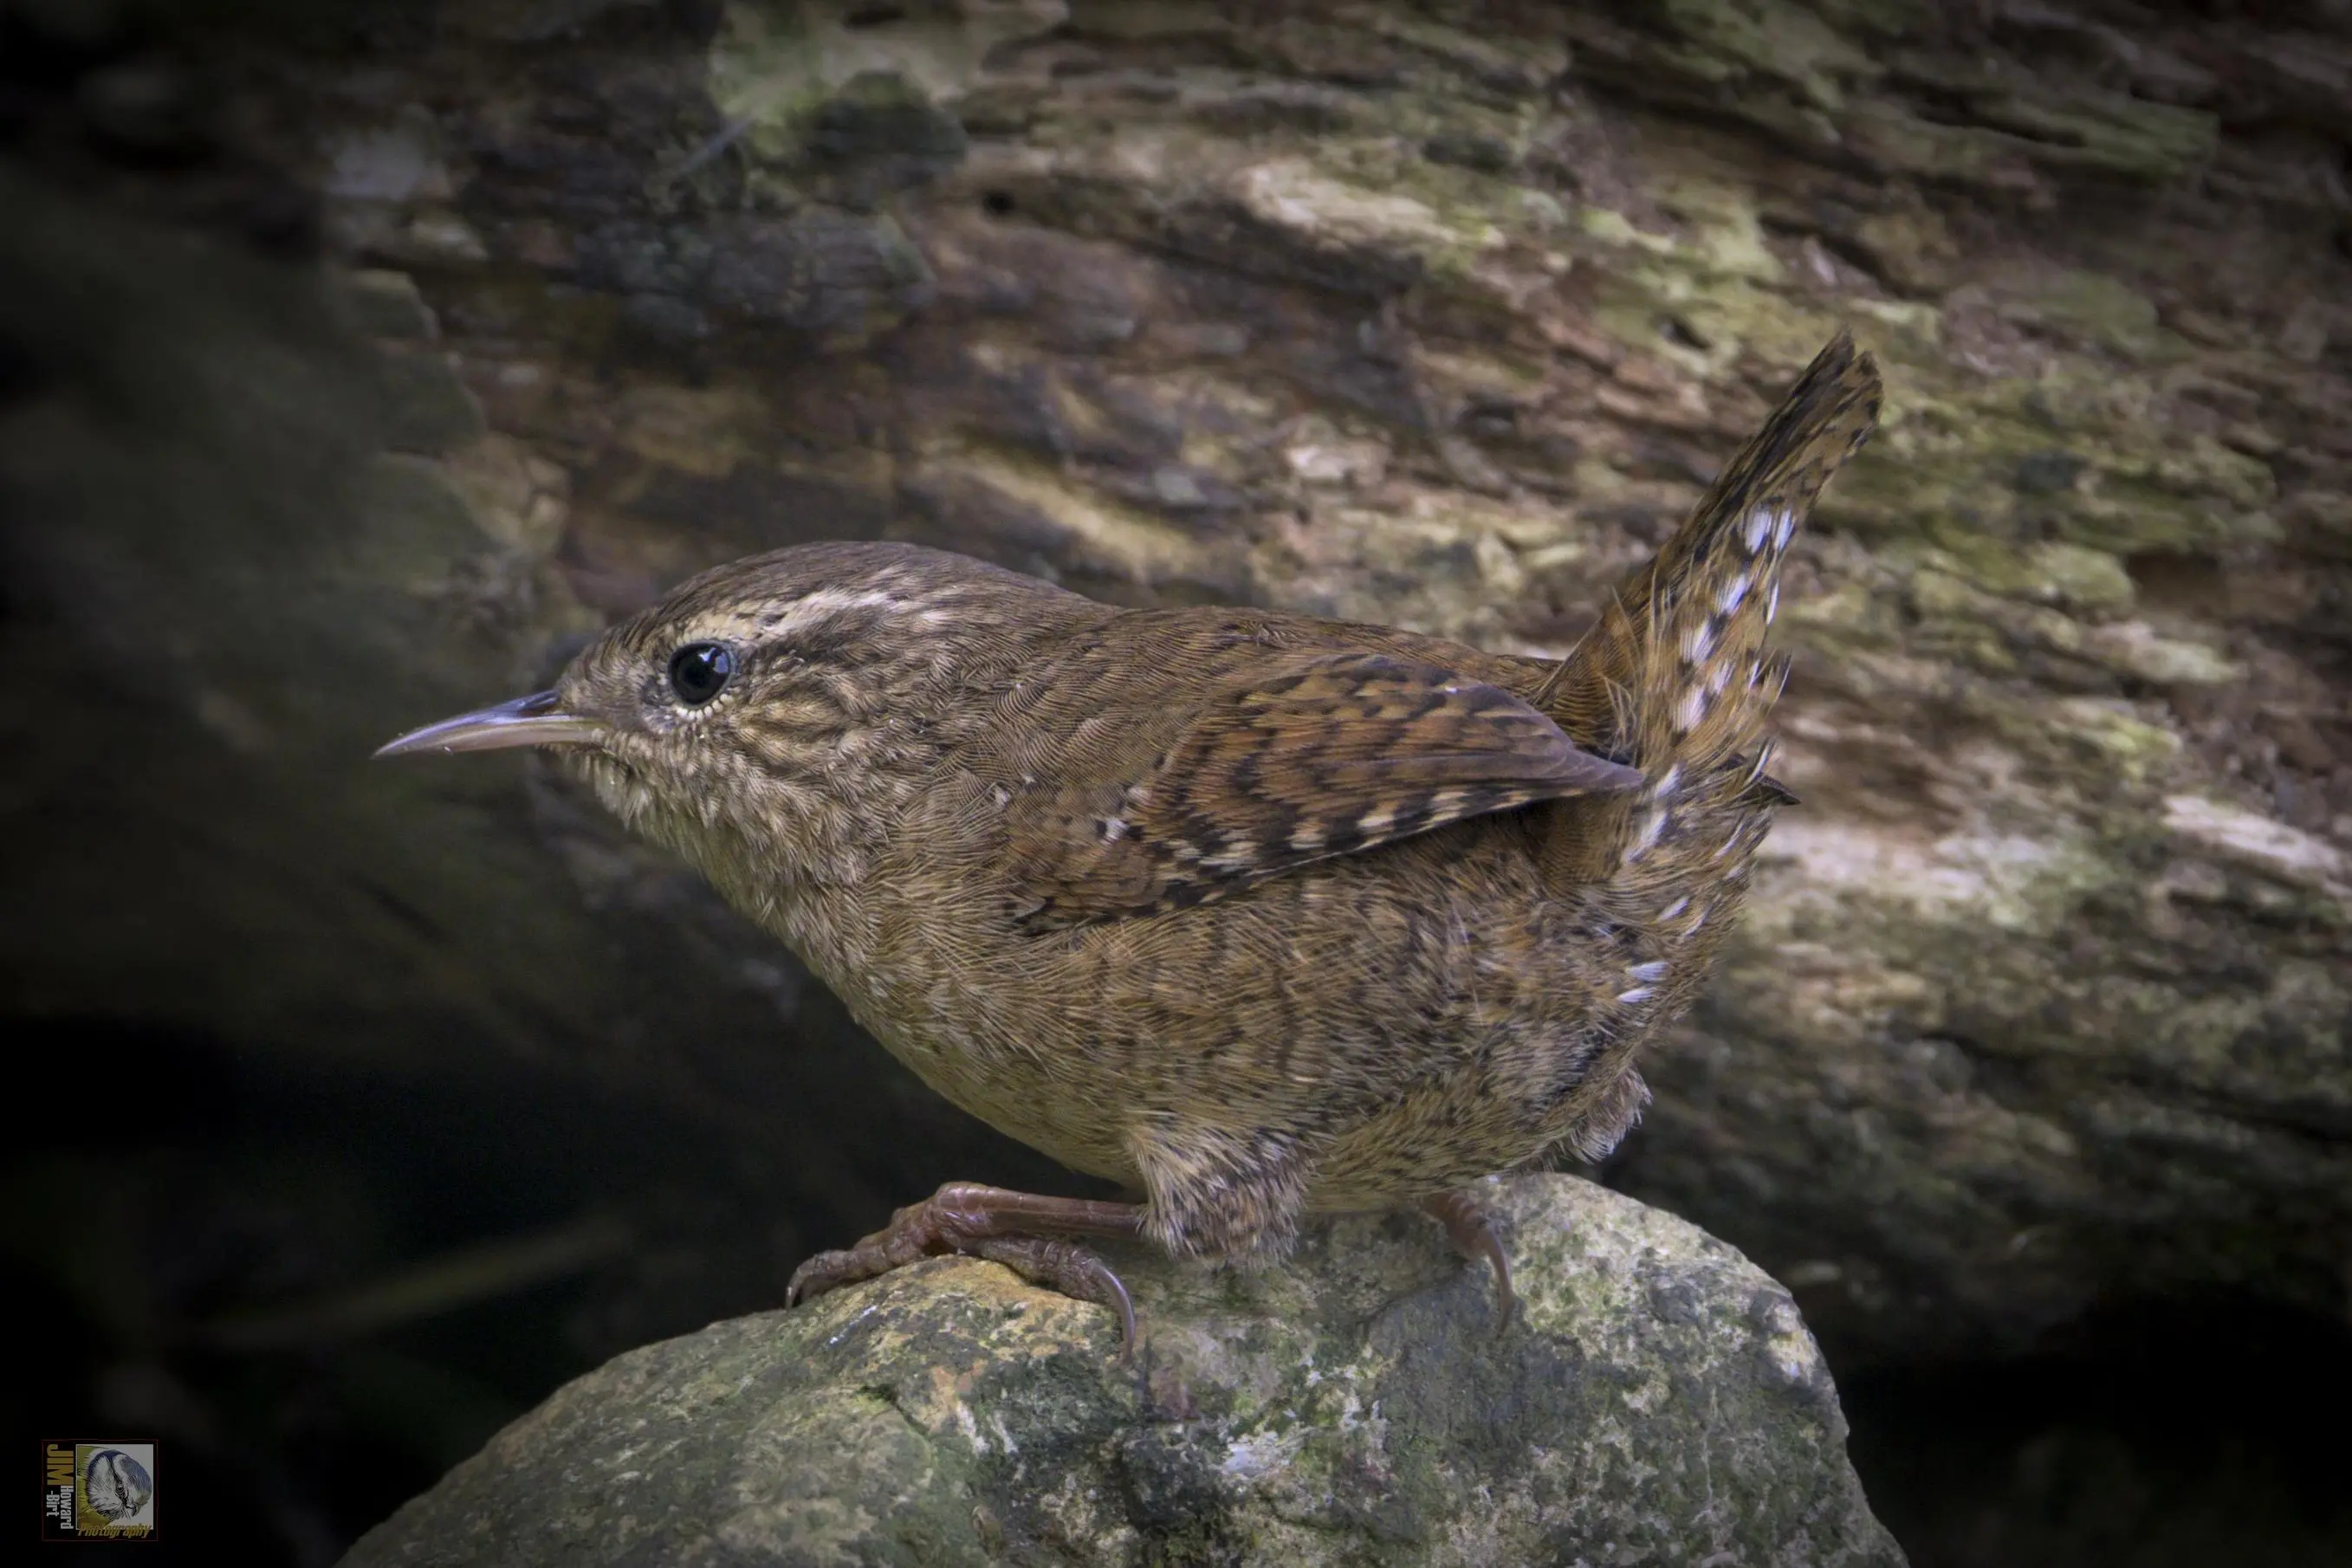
{"x": 1027, "y": 1233}
{"x": 1473, "y": 1235}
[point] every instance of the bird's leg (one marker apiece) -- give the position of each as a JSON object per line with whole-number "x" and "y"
{"x": 1473, "y": 1235}
{"x": 1027, "y": 1233}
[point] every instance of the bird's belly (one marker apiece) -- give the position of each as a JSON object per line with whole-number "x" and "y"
{"x": 1365, "y": 993}
{"x": 1036, "y": 1090}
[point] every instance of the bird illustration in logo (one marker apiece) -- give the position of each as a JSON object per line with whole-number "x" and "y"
{"x": 115, "y": 1486}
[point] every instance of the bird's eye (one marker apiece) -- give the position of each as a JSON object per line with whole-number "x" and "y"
{"x": 699, "y": 672}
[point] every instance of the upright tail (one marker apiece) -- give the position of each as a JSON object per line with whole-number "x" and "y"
{"x": 1676, "y": 680}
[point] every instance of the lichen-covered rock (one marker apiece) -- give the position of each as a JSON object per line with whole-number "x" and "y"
{"x": 1659, "y": 1401}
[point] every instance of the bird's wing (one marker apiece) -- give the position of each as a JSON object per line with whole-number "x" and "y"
{"x": 1298, "y": 757}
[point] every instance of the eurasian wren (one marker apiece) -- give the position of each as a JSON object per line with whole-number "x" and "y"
{"x": 1258, "y": 914}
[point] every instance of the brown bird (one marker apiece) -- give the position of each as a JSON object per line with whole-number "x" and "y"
{"x": 1258, "y": 914}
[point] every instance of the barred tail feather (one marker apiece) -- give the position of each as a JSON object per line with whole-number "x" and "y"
{"x": 1675, "y": 679}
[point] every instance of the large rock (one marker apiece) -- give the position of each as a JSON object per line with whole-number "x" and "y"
{"x": 1659, "y": 1402}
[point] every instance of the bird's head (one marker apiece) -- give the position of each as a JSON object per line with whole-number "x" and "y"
{"x": 767, "y": 715}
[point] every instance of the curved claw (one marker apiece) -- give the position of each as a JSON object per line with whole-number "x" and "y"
{"x": 1473, "y": 1235}
{"x": 1110, "y": 1290}
{"x": 803, "y": 1286}
{"x": 831, "y": 1270}
{"x": 1123, "y": 1305}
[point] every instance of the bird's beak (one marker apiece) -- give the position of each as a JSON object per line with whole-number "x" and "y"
{"x": 533, "y": 720}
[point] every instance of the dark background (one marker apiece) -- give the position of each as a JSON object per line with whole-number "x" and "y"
{"x": 355, "y": 1114}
